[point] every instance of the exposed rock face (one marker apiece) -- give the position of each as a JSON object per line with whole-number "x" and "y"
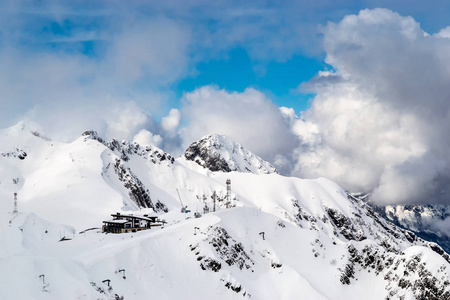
{"x": 226, "y": 251}
{"x": 403, "y": 275}
{"x": 20, "y": 154}
{"x": 345, "y": 225}
{"x": 429, "y": 222}
{"x": 359, "y": 224}
{"x": 125, "y": 151}
{"x": 137, "y": 191}
{"x": 218, "y": 153}
{"x": 375, "y": 245}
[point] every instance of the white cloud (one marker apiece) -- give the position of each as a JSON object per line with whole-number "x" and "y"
{"x": 145, "y": 137}
{"x": 46, "y": 76}
{"x": 69, "y": 64}
{"x": 125, "y": 120}
{"x": 442, "y": 226}
{"x": 171, "y": 122}
{"x": 379, "y": 122}
{"x": 157, "y": 48}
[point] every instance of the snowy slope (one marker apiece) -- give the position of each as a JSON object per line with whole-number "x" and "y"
{"x": 283, "y": 238}
{"x": 218, "y": 153}
{"x": 60, "y": 182}
{"x": 226, "y": 259}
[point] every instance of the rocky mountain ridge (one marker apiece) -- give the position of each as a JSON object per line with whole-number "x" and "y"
{"x": 218, "y": 153}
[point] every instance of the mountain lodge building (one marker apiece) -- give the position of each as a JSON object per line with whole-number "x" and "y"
{"x": 129, "y": 223}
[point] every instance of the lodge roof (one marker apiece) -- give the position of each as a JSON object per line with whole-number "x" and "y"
{"x": 117, "y": 221}
{"x": 120, "y": 216}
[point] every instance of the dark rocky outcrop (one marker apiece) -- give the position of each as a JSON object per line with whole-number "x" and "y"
{"x": 218, "y": 153}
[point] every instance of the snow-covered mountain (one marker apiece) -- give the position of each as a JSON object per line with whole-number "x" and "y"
{"x": 218, "y": 153}
{"x": 281, "y": 238}
{"x": 431, "y": 222}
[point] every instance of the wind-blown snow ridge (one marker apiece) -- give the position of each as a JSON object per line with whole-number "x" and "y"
{"x": 218, "y": 153}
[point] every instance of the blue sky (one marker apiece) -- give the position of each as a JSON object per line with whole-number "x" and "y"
{"x": 279, "y": 80}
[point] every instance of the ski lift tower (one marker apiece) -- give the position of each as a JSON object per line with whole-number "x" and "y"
{"x": 183, "y": 208}
{"x": 228, "y": 193}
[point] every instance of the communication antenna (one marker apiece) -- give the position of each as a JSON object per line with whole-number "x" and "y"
{"x": 16, "y": 210}
{"x": 228, "y": 192}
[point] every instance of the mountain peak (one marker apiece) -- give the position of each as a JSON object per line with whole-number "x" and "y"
{"x": 218, "y": 153}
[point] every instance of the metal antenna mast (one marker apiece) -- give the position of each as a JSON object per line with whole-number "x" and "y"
{"x": 16, "y": 210}
{"x": 228, "y": 193}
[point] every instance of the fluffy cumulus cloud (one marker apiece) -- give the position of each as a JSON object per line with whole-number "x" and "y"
{"x": 379, "y": 122}
{"x": 248, "y": 118}
{"x": 145, "y": 137}
{"x": 171, "y": 122}
{"x": 125, "y": 120}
